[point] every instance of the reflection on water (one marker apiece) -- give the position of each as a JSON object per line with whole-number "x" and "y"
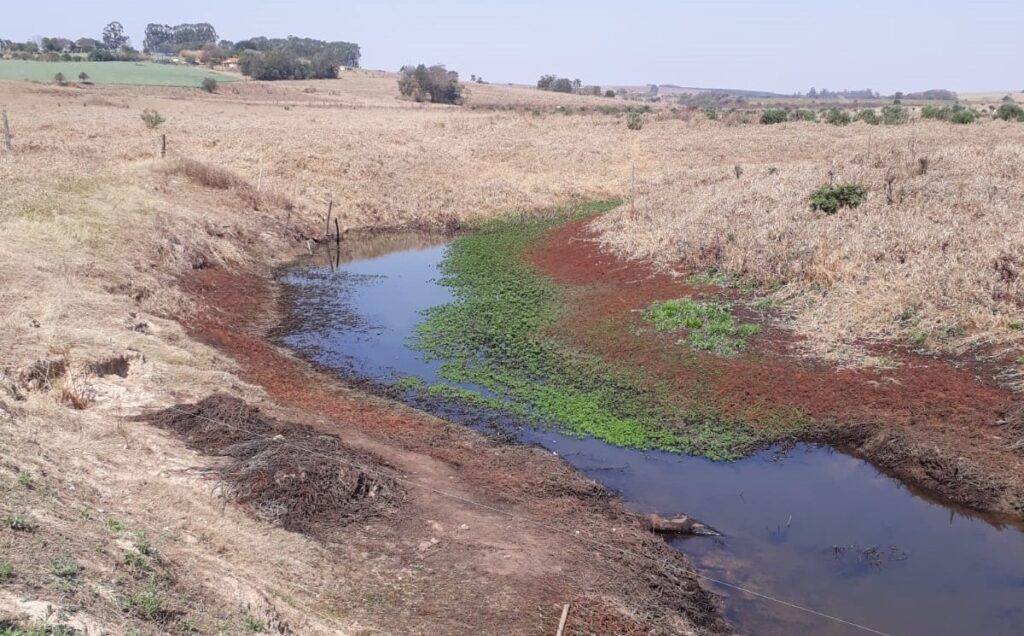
{"x": 810, "y": 525}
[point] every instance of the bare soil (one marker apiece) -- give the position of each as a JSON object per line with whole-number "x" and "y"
{"x": 467, "y": 502}
{"x": 946, "y": 426}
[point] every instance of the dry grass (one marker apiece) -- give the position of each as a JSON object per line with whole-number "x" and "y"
{"x": 95, "y": 231}
{"x": 934, "y": 252}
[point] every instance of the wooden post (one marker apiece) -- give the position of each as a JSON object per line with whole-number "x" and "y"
{"x": 163, "y": 145}
{"x": 561, "y": 623}
{"x": 337, "y": 241}
{"x": 7, "y": 132}
{"x": 327, "y": 229}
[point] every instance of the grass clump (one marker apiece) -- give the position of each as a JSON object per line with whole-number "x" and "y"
{"x": 17, "y": 522}
{"x": 829, "y": 199}
{"x": 65, "y": 568}
{"x": 5, "y": 570}
{"x": 25, "y": 479}
{"x": 634, "y": 120}
{"x": 253, "y": 625}
{"x": 709, "y": 325}
{"x": 146, "y": 604}
{"x": 497, "y": 354}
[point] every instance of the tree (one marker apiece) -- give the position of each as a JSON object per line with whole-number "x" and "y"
{"x": 562, "y": 85}
{"x": 86, "y": 45}
{"x": 212, "y": 54}
{"x": 545, "y": 82}
{"x": 83, "y": 77}
{"x": 114, "y": 37}
{"x": 434, "y": 84}
{"x": 158, "y": 37}
{"x": 59, "y": 78}
{"x": 576, "y": 85}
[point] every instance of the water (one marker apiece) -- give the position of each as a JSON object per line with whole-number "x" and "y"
{"x": 809, "y": 525}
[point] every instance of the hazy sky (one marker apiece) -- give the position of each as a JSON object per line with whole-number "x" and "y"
{"x": 780, "y": 45}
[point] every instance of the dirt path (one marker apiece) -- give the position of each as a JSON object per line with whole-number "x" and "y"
{"x": 946, "y": 427}
{"x": 489, "y": 571}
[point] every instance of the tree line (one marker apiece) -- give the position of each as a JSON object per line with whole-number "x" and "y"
{"x": 566, "y": 85}
{"x": 260, "y": 57}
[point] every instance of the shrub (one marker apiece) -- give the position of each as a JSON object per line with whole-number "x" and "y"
{"x": 1010, "y": 111}
{"x": 869, "y": 116}
{"x": 83, "y": 77}
{"x": 773, "y": 116}
{"x": 634, "y": 120}
{"x": 609, "y": 93}
{"x": 963, "y": 116}
{"x": 894, "y": 114}
{"x": 59, "y": 78}
{"x": 837, "y": 117}
{"x": 151, "y": 118}
{"x": 434, "y": 84}
{"x": 829, "y": 199}
{"x": 209, "y": 85}
{"x": 803, "y": 114}
{"x": 929, "y": 111}
{"x": 711, "y": 113}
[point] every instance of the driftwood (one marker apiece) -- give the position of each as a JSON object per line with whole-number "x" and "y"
{"x": 679, "y": 524}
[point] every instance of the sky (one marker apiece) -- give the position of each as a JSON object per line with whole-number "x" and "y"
{"x": 776, "y": 45}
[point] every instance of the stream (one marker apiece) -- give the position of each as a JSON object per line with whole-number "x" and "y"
{"x": 805, "y": 524}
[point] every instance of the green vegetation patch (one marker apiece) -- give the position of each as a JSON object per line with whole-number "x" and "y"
{"x": 136, "y": 73}
{"x": 497, "y": 352}
{"x": 830, "y": 198}
{"x": 709, "y": 325}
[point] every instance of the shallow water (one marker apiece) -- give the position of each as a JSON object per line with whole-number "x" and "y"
{"x": 811, "y": 526}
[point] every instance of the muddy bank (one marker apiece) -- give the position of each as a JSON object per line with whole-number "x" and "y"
{"x": 488, "y": 570}
{"x": 947, "y": 429}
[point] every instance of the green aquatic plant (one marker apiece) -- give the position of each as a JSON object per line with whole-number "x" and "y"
{"x": 495, "y": 338}
{"x": 709, "y": 325}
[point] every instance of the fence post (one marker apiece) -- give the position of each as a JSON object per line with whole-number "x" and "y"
{"x": 163, "y": 145}
{"x": 7, "y": 132}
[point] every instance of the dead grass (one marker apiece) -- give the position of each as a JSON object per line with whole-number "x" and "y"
{"x": 931, "y": 258}
{"x": 281, "y": 472}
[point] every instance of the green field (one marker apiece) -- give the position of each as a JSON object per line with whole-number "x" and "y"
{"x": 138, "y": 73}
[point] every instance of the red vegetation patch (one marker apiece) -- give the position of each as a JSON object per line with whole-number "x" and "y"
{"x": 952, "y": 405}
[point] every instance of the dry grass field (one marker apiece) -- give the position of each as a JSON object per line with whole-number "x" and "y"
{"x": 97, "y": 232}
